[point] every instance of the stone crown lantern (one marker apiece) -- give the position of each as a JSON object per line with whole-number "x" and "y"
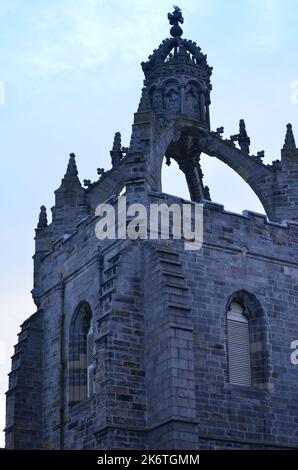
{"x": 177, "y": 77}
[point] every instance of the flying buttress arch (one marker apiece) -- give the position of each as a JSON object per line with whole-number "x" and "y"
{"x": 186, "y": 143}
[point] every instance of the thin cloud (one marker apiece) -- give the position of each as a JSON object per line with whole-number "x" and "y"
{"x": 269, "y": 28}
{"x": 91, "y": 35}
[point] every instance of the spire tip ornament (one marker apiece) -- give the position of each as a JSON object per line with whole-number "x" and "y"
{"x": 175, "y": 18}
{"x": 290, "y": 143}
{"x": 72, "y": 166}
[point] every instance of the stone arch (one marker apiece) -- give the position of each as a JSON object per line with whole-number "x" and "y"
{"x": 179, "y": 138}
{"x": 77, "y": 365}
{"x": 236, "y": 195}
{"x": 257, "y": 175}
{"x": 111, "y": 183}
{"x": 170, "y": 143}
{"x": 250, "y": 303}
{"x": 158, "y": 152}
{"x": 258, "y": 334}
{"x": 170, "y": 81}
{"x": 171, "y": 175}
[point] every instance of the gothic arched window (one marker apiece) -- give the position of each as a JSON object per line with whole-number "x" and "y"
{"x": 238, "y": 346}
{"x": 81, "y": 354}
{"x": 246, "y": 341}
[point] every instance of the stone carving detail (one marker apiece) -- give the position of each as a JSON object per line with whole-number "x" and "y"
{"x": 100, "y": 172}
{"x": 259, "y": 157}
{"x": 242, "y": 138}
{"x": 219, "y": 131}
{"x": 42, "y": 221}
{"x": 156, "y": 100}
{"x": 192, "y": 101}
{"x": 87, "y": 183}
{"x": 172, "y": 99}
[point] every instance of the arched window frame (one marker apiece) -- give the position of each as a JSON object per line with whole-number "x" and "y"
{"x": 239, "y": 361}
{"x": 258, "y": 331}
{"x": 81, "y": 354}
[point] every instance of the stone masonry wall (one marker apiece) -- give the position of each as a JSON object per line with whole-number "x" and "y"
{"x": 159, "y": 314}
{"x": 23, "y": 412}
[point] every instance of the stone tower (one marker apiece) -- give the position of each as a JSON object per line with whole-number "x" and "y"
{"x": 142, "y": 344}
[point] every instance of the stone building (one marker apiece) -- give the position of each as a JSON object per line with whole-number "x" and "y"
{"x": 143, "y": 344}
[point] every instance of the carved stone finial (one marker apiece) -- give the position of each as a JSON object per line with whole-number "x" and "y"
{"x": 289, "y": 139}
{"x": 100, "y": 172}
{"x": 87, "y": 183}
{"x": 175, "y": 18}
{"x": 233, "y": 139}
{"x": 117, "y": 142}
{"x": 116, "y": 152}
{"x": 43, "y": 220}
{"x": 168, "y": 161}
{"x": 72, "y": 166}
{"x": 243, "y": 139}
{"x": 219, "y": 131}
{"x": 206, "y": 192}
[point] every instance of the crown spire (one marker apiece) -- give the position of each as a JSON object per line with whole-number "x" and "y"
{"x": 175, "y": 18}
{"x": 43, "y": 220}
{"x": 290, "y": 143}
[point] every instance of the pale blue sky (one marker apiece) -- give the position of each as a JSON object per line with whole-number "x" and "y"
{"x": 72, "y": 76}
